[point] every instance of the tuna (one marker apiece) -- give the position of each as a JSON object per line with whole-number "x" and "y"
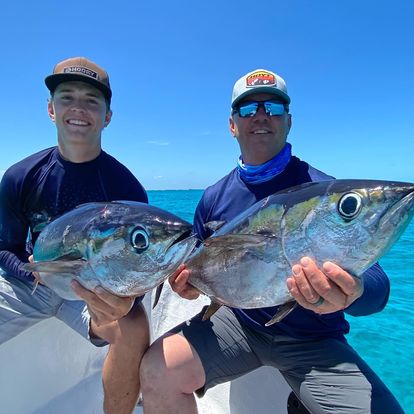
{"x": 126, "y": 247}
{"x": 352, "y": 223}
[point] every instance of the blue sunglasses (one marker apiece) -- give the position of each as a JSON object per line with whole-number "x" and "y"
{"x": 250, "y": 108}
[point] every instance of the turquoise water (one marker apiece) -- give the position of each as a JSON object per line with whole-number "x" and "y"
{"x": 385, "y": 340}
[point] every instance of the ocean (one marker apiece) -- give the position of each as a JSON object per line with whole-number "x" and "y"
{"x": 385, "y": 340}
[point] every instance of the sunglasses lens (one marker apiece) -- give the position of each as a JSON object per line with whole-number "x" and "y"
{"x": 248, "y": 109}
{"x": 274, "y": 108}
{"x": 271, "y": 108}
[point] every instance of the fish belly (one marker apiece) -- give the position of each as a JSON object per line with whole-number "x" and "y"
{"x": 251, "y": 284}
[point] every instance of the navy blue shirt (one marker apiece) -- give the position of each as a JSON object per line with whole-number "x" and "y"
{"x": 231, "y": 196}
{"x": 44, "y": 186}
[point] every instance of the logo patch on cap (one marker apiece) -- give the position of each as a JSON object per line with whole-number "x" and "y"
{"x": 81, "y": 70}
{"x": 261, "y": 78}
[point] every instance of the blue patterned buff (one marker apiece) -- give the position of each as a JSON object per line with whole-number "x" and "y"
{"x": 259, "y": 173}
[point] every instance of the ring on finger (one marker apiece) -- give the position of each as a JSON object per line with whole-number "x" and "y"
{"x": 319, "y": 302}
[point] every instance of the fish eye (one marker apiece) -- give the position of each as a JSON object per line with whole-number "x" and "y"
{"x": 139, "y": 239}
{"x": 349, "y": 205}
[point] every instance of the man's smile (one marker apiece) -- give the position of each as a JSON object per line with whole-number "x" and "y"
{"x": 78, "y": 122}
{"x": 261, "y": 131}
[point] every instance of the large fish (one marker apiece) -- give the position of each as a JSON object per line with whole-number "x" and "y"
{"x": 349, "y": 222}
{"x": 126, "y": 247}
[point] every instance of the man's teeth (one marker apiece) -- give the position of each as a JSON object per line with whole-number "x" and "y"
{"x": 261, "y": 131}
{"x": 77, "y": 122}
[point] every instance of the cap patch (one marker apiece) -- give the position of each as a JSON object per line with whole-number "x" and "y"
{"x": 81, "y": 69}
{"x": 261, "y": 78}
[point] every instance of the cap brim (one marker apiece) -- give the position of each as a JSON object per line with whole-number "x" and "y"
{"x": 265, "y": 89}
{"x": 52, "y": 81}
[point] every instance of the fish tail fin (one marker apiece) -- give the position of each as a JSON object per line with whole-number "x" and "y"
{"x": 282, "y": 311}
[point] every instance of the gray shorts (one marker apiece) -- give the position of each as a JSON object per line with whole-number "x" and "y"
{"x": 327, "y": 375}
{"x": 21, "y": 308}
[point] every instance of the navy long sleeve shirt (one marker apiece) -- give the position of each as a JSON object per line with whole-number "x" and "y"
{"x": 231, "y": 196}
{"x": 44, "y": 186}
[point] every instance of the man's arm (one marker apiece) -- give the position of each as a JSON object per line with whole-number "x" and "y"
{"x": 13, "y": 231}
{"x": 376, "y": 292}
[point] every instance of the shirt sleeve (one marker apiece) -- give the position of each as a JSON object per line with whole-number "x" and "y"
{"x": 200, "y": 218}
{"x": 13, "y": 230}
{"x": 376, "y": 293}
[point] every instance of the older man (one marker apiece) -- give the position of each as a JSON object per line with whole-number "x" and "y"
{"x": 308, "y": 346}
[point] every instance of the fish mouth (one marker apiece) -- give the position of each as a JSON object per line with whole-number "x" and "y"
{"x": 399, "y": 215}
{"x": 186, "y": 241}
{"x": 403, "y": 207}
{"x": 183, "y": 236}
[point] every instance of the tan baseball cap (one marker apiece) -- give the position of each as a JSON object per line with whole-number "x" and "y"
{"x": 80, "y": 69}
{"x": 259, "y": 81}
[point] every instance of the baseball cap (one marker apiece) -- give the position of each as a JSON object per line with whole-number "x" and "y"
{"x": 80, "y": 69}
{"x": 259, "y": 81}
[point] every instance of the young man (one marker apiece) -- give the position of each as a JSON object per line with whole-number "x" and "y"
{"x": 308, "y": 346}
{"x": 46, "y": 185}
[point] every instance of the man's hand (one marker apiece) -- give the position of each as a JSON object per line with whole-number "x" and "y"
{"x": 179, "y": 283}
{"x": 325, "y": 290}
{"x": 103, "y": 307}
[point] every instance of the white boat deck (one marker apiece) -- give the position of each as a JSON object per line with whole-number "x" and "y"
{"x": 49, "y": 369}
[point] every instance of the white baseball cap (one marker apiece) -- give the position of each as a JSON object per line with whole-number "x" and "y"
{"x": 259, "y": 81}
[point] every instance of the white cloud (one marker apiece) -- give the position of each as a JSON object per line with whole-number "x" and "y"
{"x": 158, "y": 177}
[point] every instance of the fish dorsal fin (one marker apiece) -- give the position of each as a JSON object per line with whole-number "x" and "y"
{"x": 214, "y": 225}
{"x": 282, "y": 311}
{"x": 56, "y": 266}
{"x": 211, "y": 310}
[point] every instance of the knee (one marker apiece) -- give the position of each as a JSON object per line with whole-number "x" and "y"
{"x": 154, "y": 374}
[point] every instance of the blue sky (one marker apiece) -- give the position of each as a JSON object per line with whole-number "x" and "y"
{"x": 348, "y": 65}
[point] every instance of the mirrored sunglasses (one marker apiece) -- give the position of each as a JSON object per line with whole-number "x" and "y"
{"x": 250, "y": 108}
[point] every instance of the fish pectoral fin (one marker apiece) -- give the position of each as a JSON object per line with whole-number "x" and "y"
{"x": 282, "y": 311}
{"x": 56, "y": 266}
{"x": 211, "y": 310}
{"x": 157, "y": 295}
{"x": 236, "y": 241}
